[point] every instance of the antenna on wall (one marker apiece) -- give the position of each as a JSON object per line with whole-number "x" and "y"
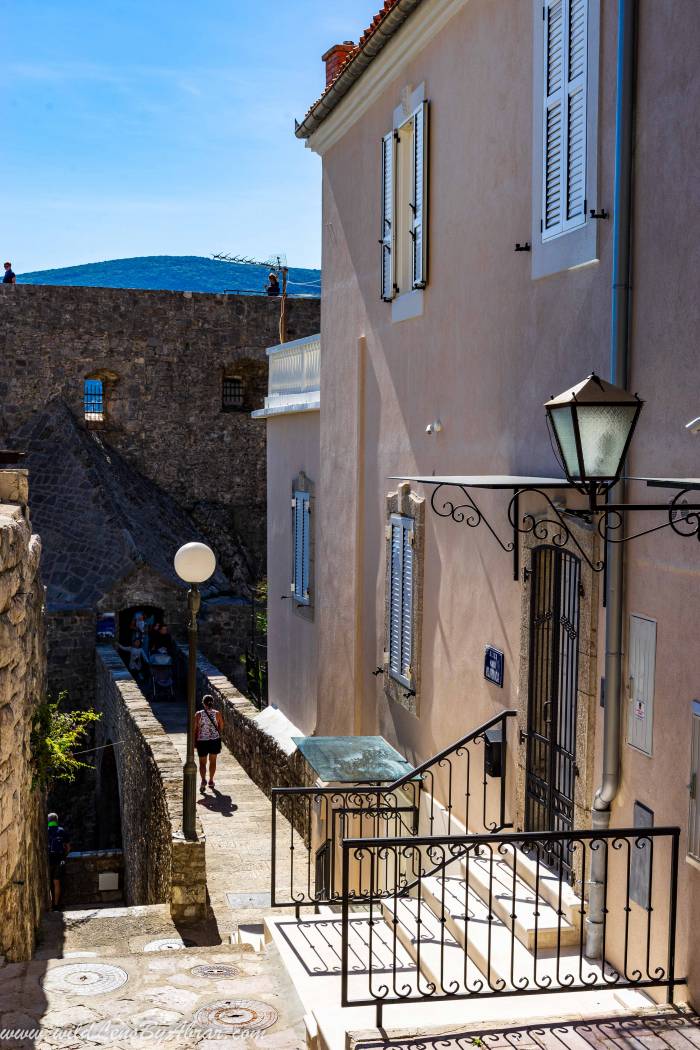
{"x": 276, "y": 264}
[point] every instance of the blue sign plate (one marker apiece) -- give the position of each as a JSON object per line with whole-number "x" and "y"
{"x": 493, "y": 665}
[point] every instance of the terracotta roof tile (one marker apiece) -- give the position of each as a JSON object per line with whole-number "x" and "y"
{"x": 351, "y": 55}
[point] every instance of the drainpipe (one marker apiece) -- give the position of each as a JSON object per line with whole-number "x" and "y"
{"x": 619, "y": 368}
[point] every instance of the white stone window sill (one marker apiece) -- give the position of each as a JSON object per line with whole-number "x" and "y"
{"x": 408, "y": 305}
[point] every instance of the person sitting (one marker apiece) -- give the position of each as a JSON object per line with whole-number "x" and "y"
{"x": 273, "y": 284}
{"x": 9, "y": 277}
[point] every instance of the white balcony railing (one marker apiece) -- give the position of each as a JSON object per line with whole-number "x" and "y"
{"x": 294, "y": 382}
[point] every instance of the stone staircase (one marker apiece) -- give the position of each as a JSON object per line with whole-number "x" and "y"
{"x": 478, "y": 926}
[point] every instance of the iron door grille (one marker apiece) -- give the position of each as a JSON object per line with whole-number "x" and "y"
{"x": 553, "y": 685}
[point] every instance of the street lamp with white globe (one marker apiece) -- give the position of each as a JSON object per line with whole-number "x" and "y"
{"x": 195, "y": 563}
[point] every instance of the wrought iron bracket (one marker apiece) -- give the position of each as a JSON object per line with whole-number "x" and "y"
{"x": 608, "y": 520}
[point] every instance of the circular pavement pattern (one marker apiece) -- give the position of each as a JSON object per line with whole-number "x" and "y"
{"x": 86, "y": 979}
{"x": 215, "y": 973}
{"x": 167, "y": 944}
{"x": 236, "y": 1015}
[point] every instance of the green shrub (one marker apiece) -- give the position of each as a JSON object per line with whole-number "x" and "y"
{"x": 55, "y": 736}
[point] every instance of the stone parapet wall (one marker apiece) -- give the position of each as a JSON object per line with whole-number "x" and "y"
{"x": 23, "y": 865}
{"x": 267, "y": 758}
{"x": 159, "y": 865}
{"x": 82, "y": 881}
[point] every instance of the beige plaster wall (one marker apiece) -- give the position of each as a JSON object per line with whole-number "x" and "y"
{"x": 292, "y": 447}
{"x": 491, "y": 346}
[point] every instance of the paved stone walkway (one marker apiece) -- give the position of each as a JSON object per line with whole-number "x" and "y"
{"x": 105, "y": 978}
{"x": 236, "y": 819}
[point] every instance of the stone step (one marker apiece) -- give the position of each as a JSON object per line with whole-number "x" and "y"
{"x": 559, "y": 894}
{"x": 539, "y": 922}
{"x": 439, "y": 957}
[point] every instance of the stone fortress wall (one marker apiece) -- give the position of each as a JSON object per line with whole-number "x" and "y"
{"x": 23, "y": 865}
{"x": 162, "y": 357}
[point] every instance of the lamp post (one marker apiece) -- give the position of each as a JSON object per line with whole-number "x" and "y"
{"x": 194, "y": 564}
{"x": 593, "y": 424}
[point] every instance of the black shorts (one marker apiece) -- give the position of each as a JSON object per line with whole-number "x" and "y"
{"x": 57, "y": 869}
{"x": 208, "y": 747}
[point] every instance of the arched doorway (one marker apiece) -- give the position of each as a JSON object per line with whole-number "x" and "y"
{"x": 109, "y": 819}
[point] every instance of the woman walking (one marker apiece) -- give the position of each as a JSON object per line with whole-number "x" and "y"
{"x": 208, "y": 726}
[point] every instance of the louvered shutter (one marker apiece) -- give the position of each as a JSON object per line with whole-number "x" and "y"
{"x": 401, "y": 598}
{"x": 387, "y": 231}
{"x": 565, "y": 76}
{"x": 300, "y": 527}
{"x": 553, "y": 129}
{"x": 407, "y": 601}
{"x": 642, "y": 665}
{"x": 419, "y": 203}
{"x": 576, "y": 75}
{"x": 306, "y": 549}
{"x": 694, "y": 785}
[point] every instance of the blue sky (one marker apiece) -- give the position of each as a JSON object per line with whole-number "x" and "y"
{"x": 162, "y": 127}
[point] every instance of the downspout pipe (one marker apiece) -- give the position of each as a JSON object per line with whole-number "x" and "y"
{"x": 619, "y": 372}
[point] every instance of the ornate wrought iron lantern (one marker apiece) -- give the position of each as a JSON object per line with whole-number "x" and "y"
{"x": 593, "y": 424}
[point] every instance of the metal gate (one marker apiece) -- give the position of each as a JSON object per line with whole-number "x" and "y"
{"x": 553, "y": 683}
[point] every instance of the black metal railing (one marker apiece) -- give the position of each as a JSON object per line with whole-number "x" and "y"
{"x": 496, "y": 914}
{"x": 310, "y": 823}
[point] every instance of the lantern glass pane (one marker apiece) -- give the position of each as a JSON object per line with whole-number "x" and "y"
{"x": 604, "y": 430}
{"x": 563, "y": 423}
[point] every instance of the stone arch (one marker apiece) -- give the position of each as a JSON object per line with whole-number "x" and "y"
{"x": 109, "y": 820}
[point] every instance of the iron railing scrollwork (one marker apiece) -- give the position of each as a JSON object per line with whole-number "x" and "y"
{"x": 489, "y": 915}
{"x": 307, "y": 820}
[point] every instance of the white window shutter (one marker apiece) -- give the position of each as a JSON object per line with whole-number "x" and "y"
{"x": 694, "y": 784}
{"x": 576, "y": 77}
{"x": 395, "y": 600}
{"x": 407, "y": 602}
{"x": 641, "y": 666}
{"x": 387, "y": 232}
{"x": 553, "y": 123}
{"x": 302, "y": 547}
{"x": 401, "y": 576}
{"x": 565, "y": 86}
{"x": 419, "y": 203}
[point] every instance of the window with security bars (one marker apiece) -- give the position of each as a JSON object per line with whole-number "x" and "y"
{"x": 232, "y": 393}
{"x": 564, "y": 115}
{"x": 301, "y": 528}
{"x": 400, "y": 599}
{"x": 93, "y": 401}
{"x": 694, "y": 784}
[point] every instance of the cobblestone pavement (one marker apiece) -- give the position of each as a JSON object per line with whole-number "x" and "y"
{"x": 105, "y": 978}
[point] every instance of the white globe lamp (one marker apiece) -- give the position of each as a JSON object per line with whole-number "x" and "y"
{"x": 195, "y": 563}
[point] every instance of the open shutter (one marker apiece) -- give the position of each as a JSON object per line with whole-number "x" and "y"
{"x": 401, "y": 598}
{"x": 306, "y": 550}
{"x": 387, "y": 232}
{"x": 576, "y": 76}
{"x": 553, "y": 127}
{"x": 419, "y": 203}
{"x": 300, "y": 527}
{"x": 395, "y": 605}
{"x": 407, "y": 602}
{"x": 642, "y": 663}
{"x": 694, "y": 784}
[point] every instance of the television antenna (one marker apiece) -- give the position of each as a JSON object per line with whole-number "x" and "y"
{"x": 276, "y": 264}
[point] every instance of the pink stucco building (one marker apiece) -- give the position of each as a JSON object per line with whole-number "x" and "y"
{"x": 486, "y": 166}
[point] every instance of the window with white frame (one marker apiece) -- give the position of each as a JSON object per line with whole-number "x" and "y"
{"x": 301, "y": 529}
{"x": 404, "y": 205}
{"x": 694, "y": 784}
{"x": 400, "y": 599}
